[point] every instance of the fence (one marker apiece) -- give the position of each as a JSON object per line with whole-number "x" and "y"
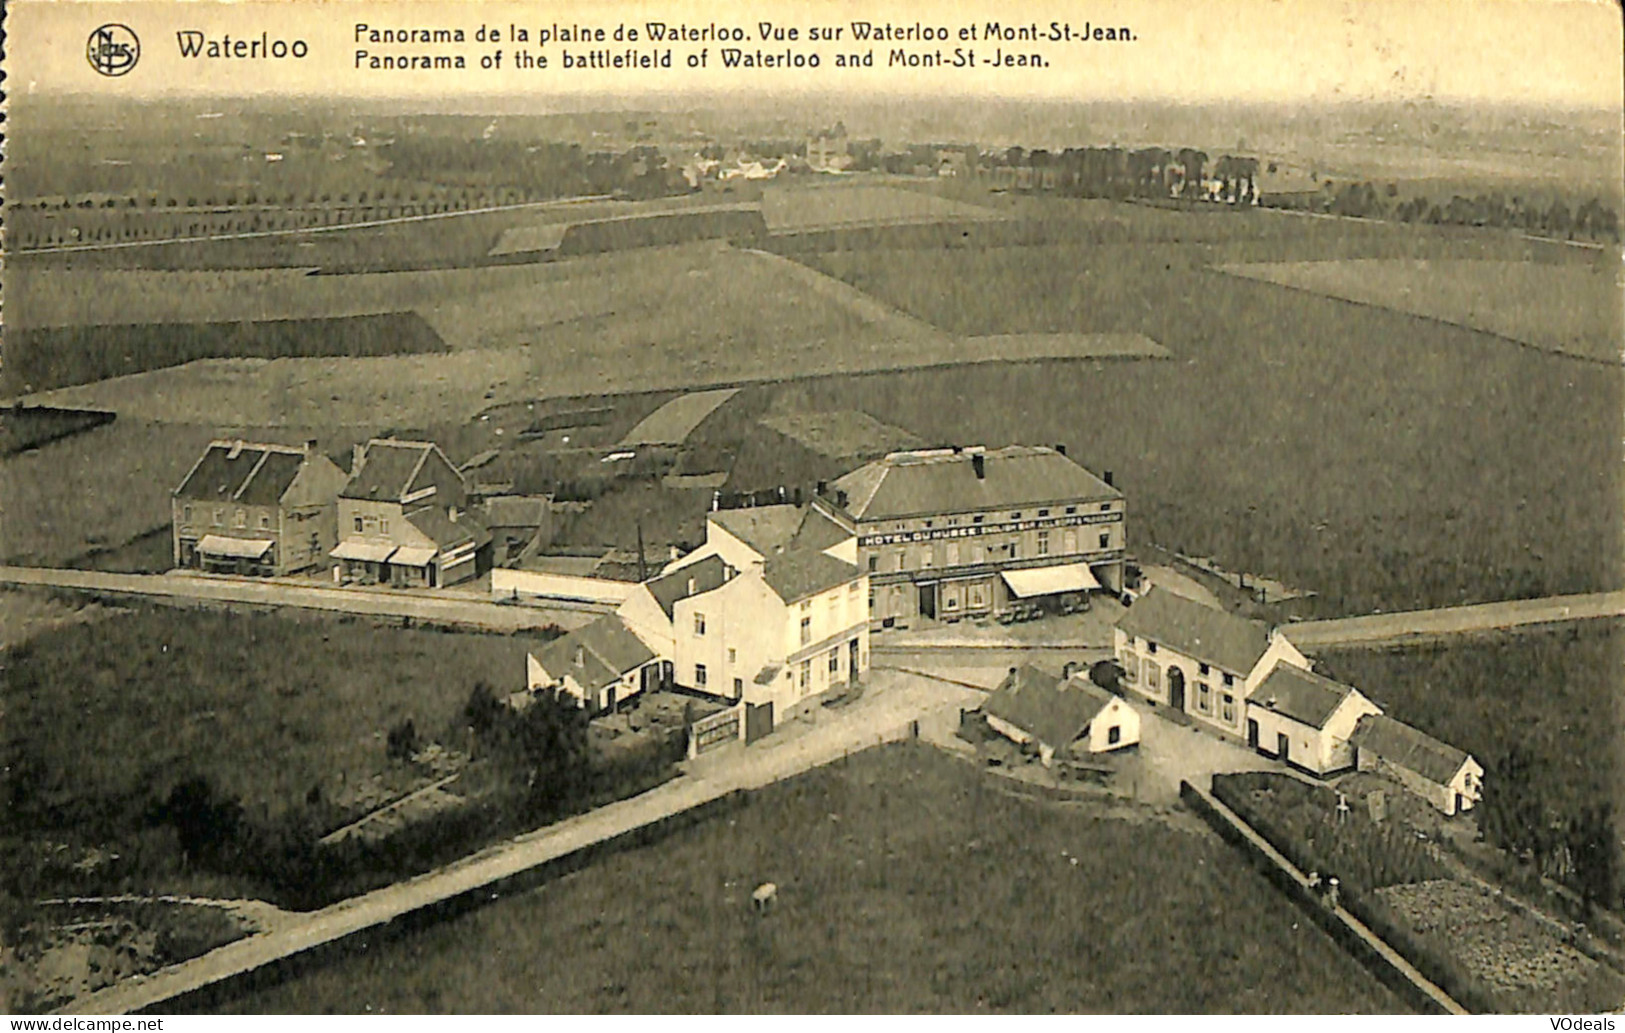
{"x": 1384, "y": 962}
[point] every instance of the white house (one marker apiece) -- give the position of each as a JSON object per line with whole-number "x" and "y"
{"x": 1197, "y": 659}
{"x": 1305, "y": 720}
{"x": 600, "y": 665}
{"x": 1070, "y": 717}
{"x": 1446, "y": 777}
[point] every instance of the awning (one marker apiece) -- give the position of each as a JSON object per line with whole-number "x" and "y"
{"x": 236, "y": 548}
{"x": 1070, "y": 577}
{"x": 413, "y": 556}
{"x": 371, "y": 552}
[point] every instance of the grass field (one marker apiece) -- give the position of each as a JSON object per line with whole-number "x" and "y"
{"x": 908, "y": 882}
{"x": 140, "y": 702}
{"x": 800, "y": 207}
{"x": 1373, "y": 457}
{"x": 1552, "y": 693}
{"x": 1571, "y": 308}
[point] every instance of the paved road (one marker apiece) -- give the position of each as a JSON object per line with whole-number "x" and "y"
{"x": 1388, "y": 628}
{"x": 447, "y": 606}
{"x": 882, "y": 714}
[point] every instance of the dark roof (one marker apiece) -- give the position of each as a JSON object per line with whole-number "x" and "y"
{"x": 944, "y": 481}
{"x": 1304, "y": 696}
{"x": 705, "y": 574}
{"x": 388, "y": 469}
{"x": 447, "y": 533}
{"x": 799, "y": 573}
{"x": 773, "y": 529}
{"x": 764, "y": 528}
{"x": 1053, "y": 711}
{"x": 516, "y": 510}
{"x": 607, "y": 649}
{"x": 1197, "y": 630}
{"x": 253, "y": 474}
{"x": 1409, "y": 748}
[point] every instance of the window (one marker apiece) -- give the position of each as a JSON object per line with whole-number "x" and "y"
{"x": 1015, "y": 549}
{"x": 806, "y": 630}
{"x": 1229, "y": 708}
{"x": 1229, "y": 679}
{"x": 953, "y": 554}
{"x": 950, "y": 598}
{"x": 976, "y": 520}
{"x": 265, "y": 521}
{"x": 1202, "y": 668}
{"x": 1104, "y": 506}
{"x": 219, "y": 518}
{"x": 926, "y": 558}
{"x": 241, "y": 519}
{"x": 1043, "y": 543}
{"x": 1114, "y": 735}
{"x": 1150, "y": 647}
{"x": 874, "y": 563}
{"x": 806, "y": 674}
{"x": 186, "y": 514}
{"x": 1015, "y": 516}
{"x": 1204, "y": 701}
{"x": 1071, "y": 509}
{"x": 699, "y": 624}
{"x": 1131, "y": 666}
{"x": 1106, "y": 540}
{"x": 733, "y": 655}
{"x": 383, "y": 525}
{"x": 928, "y": 523}
{"x": 978, "y": 553}
{"x": 834, "y": 661}
{"x": 900, "y": 561}
{"x": 871, "y": 602}
{"x": 978, "y": 597}
{"x": 1043, "y": 512}
{"x": 357, "y": 525}
{"x": 806, "y": 606}
{"x": 1153, "y": 676}
{"x": 739, "y": 688}
{"x": 699, "y": 676}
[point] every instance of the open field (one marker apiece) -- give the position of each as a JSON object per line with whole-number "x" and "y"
{"x": 840, "y": 434}
{"x": 1552, "y": 693}
{"x": 908, "y": 882}
{"x": 1572, "y": 308}
{"x": 794, "y": 208}
{"x": 1394, "y": 465}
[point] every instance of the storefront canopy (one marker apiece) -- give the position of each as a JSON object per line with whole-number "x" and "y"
{"x": 1071, "y": 577}
{"x": 370, "y": 552}
{"x": 413, "y": 556}
{"x": 234, "y": 548}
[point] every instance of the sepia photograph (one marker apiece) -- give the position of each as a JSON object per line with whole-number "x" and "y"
{"x": 823, "y": 507}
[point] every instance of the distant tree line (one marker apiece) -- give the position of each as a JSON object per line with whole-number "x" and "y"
{"x": 1589, "y": 220}
{"x": 1120, "y": 173}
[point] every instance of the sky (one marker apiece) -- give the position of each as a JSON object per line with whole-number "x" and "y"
{"x": 1563, "y": 53}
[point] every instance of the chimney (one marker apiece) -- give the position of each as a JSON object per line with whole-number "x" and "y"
{"x": 840, "y": 499}
{"x": 822, "y": 489}
{"x": 796, "y": 498}
{"x": 310, "y": 446}
{"x": 452, "y": 513}
{"x": 357, "y": 454}
{"x": 1061, "y": 449}
{"x": 674, "y": 553}
{"x": 581, "y": 656}
{"x": 978, "y": 462}
{"x": 690, "y": 586}
{"x": 1107, "y": 477}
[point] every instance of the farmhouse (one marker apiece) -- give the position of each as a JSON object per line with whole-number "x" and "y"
{"x": 519, "y": 525}
{"x": 403, "y": 518}
{"x": 1446, "y": 777}
{"x": 1069, "y": 717}
{"x": 1198, "y": 660}
{"x": 600, "y": 666}
{"x": 951, "y": 532}
{"x": 1306, "y": 720}
{"x": 255, "y": 509}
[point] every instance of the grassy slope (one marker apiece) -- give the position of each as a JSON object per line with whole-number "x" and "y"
{"x": 120, "y": 711}
{"x": 1380, "y": 459}
{"x": 908, "y": 882}
{"x": 1551, "y": 693}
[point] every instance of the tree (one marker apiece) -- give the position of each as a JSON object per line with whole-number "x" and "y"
{"x": 205, "y": 820}
{"x": 1509, "y": 814}
{"x": 1594, "y": 852}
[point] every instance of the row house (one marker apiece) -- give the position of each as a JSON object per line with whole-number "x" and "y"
{"x": 963, "y": 532}
{"x": 404, "y": 519}
{"x": 256, "y": 509}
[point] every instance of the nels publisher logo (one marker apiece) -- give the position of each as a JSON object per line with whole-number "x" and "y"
{"x": 113, "y": 49}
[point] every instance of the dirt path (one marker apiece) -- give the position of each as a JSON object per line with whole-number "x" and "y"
{"x": 1379, "y": 629}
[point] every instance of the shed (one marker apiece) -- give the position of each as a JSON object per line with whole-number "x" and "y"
{"x": 1070, "y": 715}
{"x": 1446, "y": 777}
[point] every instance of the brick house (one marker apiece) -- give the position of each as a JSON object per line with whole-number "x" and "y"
{"x": 404, "y": 520}
{"x": 256, "y": 509}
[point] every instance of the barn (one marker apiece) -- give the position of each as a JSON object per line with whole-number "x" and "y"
{"x": 1446, "y": 777}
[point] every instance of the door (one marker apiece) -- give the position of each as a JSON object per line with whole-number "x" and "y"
{"x": 384, "y": 573}
{"x": 928, "y": 600}
{"x": 1176, "y": 688}
{"x": 852, "y": 662}
{"x": 1252, "y": 733}
{"x": 1283, "y": 748}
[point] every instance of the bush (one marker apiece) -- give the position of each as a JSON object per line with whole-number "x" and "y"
{"x": 402, "y": 741}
